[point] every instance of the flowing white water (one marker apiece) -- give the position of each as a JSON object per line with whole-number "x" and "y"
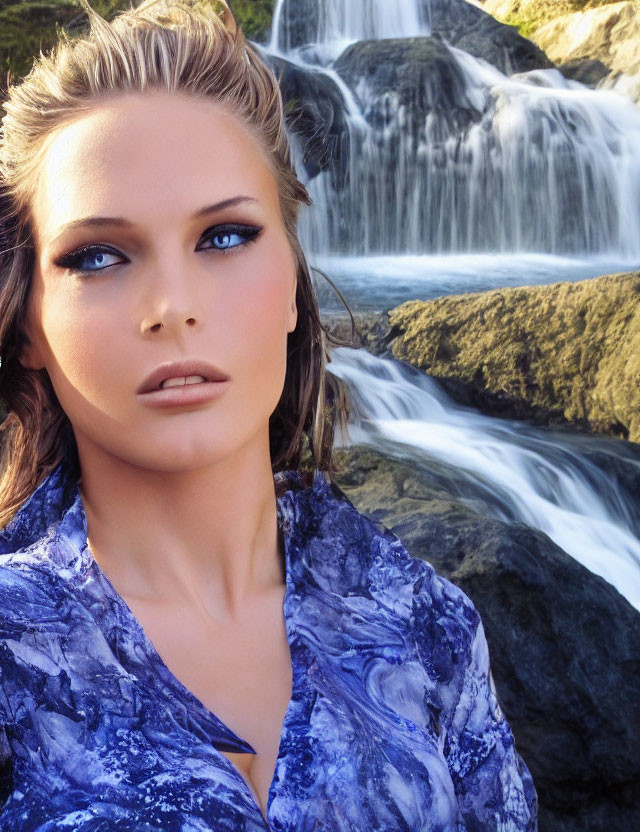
{"x": 516, "y": 180}
{"x": 528, "y": 475}
{"x": 530, "y": 163}
{"x": 550, "y": 168}
{"x": 331, "y": 21}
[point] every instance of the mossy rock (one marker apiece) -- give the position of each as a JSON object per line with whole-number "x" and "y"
{"x": 529, "y": 15}
{"x": 569, "y": 347}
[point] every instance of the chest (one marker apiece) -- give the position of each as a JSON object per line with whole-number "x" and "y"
{"x": 242, "y": 674}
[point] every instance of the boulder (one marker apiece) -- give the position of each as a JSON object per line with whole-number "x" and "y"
{"x": 456, "y": 21}
{"x": 567, "y": 353}
{"x": 581, "y": 30}
{"x": 420, "y": 74}
{"x": 564, "y": 644}
{"x": 587, "y": 71}
{"x": 471, "y": 29}
{"x": 315, "y": 112}
{"x": 610, "y": 34}
{"x": 623, "y": 83}
{"x": 531, "y": 14}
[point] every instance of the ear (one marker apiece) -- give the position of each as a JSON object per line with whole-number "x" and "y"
{"x": 30, "y": 357}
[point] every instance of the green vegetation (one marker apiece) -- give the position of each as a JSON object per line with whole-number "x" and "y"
{"x": 254, "y": 17}
{"x": 32, "y": 26}
{"x": 526, "y": 27}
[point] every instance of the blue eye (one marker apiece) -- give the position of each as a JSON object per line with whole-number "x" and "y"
{"x": 225, "y": 237}
{"x": 95, "y": 258}
{"x": 100, "y": 258}
{"x": 77, "y": 260}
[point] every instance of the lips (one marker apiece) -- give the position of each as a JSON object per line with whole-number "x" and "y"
{"x": 176, "y": 369}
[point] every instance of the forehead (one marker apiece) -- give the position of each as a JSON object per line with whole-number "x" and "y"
{"x": 136, "y": 154}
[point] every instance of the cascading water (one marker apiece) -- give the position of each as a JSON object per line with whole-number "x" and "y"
{"x": 330, "y": 21}
{"x": 525, "y": 474}
{"x": 446, "y": 154}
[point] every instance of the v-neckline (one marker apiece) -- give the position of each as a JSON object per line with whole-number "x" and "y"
{"x": 158, "y": 662}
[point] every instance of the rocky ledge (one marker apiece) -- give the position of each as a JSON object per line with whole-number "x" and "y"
{"x": 562, "y": 354}
{"x": 569, "y": 31}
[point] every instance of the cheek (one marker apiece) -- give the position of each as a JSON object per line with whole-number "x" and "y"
{"x": 262, "y": 334}
{"x": 81, "y": 343}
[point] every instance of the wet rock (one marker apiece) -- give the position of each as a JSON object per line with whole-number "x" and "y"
{"x": 584, "y": 70}
{"x": 564, "y": 644}
{"x": 471, "y": 29}
{"x": 456, "y": 21}
{"x": 315, "y": 113}
{"x": 419, "y": 74}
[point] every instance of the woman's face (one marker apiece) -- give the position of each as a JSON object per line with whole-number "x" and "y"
{"x": 142, "y": 168}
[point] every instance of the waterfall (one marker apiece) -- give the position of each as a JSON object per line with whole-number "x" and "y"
{"x": 500, "y": 178}
{"x": 444, "y": 153}
{"x": 510, "y": 471}
{"x": 550, "y": 168}
{"x": 299, "y": 22}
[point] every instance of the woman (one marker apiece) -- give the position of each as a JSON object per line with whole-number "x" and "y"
{"x": 194, "y": 634}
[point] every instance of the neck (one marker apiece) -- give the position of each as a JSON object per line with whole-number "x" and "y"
{"x": 207, "y": 537}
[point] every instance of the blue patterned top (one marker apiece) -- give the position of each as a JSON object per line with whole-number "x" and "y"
{"x": 392, "y": 724}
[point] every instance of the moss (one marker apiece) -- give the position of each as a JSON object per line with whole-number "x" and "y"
{"x": 568, "y": 347}
{"x": 525, "y": 27}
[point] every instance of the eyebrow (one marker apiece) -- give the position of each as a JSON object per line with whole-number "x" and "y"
{"x": 99, "y": 222}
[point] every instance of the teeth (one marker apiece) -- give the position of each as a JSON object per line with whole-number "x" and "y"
{"x": 181, "y": 380}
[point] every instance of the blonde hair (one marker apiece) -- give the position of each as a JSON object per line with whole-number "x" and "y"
{"x": 192, "y": 46}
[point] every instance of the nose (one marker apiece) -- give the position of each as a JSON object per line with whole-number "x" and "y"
{"x": 159, "y": 324}
{"x": 171, "y": 302}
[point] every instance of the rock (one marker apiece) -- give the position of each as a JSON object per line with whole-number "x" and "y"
{"x": 315, "y": 112}
{"x": 586, "y": 71}
{"x": 575, "y": 30}
{"x": 471, "y": 29}
{"x": 530, "y": 12}
{"x": 564, "y": 644}
{"x": 419, "y": 73}
{"x": 459, "y": 23}
{"x": 565, "y": 353}
{"x": 610, "y": 34}
{"x": 628, "y": 85}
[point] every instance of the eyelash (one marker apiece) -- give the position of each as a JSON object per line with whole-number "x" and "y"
{"x": 72, "y": 260}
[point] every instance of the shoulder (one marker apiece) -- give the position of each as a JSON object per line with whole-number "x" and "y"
{"x": 35, "y": 592}
{"x": 366, "y": 556}
{"x": 41, "y": 631}
{"x": 37, "y": 548}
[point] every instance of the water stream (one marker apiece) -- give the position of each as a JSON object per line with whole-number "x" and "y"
{"x": 535, "y": 180}
{"x": 512, "y": 471}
